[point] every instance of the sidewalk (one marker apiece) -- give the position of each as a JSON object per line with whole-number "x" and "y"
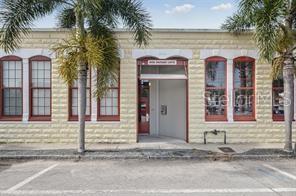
{"x": 148, "y": 148}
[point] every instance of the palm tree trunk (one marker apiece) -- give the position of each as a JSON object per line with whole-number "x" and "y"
{"x": 288, "y": 75}
{"x": 82, "y": 81}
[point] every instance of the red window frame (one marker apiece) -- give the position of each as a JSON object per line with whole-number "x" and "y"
{"x": 110, "y": 117}
{"x": 216, "y": 117}
{"x": 75, "y": 117}
{"x": 10, "y": 117}
{"x": 252, "y": 116}
{"x": 276, "y": 117}
{"x": 31, "y": 88}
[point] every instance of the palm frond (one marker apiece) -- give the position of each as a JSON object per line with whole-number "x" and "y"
{"x": 99, "y": 52}
{"x": 66, "y": 18}
{"x": 277, "y": 67}
{"x": 17, "y": 17}
{"x": 133, "y": 16}
{"x": 237, "y": 24}
{"x": 268, "y": 27}
{"x": 68, "y": 54}
{"x": 107, "y": 67}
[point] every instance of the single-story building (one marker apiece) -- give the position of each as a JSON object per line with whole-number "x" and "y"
{"x": 184, "y": 83}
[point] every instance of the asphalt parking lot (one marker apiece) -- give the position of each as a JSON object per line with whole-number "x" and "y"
{"x": 155, "y": 177}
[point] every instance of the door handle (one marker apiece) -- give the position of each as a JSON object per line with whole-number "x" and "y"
{"x": 147, "y": 117}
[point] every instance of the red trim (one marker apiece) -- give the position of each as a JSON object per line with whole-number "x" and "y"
{"x": 3, "y": 117}
{"x": 110, "y": 117}
{"x": 180, "y": 62}
{"x": 75, "y": 117}
{"x": 216, "y": 117}
{"x": 276, "y": 117}
{"x": 39, "y": 117}
{"x": 252, "y": 116}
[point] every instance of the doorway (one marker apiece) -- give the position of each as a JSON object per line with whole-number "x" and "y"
{"x": 162, "y": 99}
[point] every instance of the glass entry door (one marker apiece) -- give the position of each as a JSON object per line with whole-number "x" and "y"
{"x": 144, "y": 118}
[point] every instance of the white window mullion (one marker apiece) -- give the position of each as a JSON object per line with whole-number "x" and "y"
{"x": 230, "y": 90}
{"x": 94, "y": 102}
{"x": 26, "y": 99}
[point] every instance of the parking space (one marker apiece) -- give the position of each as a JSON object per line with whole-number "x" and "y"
{"x": 132, "y": 177}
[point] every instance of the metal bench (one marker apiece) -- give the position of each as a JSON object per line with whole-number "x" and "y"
{"x": 215, "y": 132}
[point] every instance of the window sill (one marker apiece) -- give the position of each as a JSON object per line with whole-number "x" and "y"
{"x": 75, "y": 118}
{"x": 5, "y": 118}
{"x": 97, "y": 122}
{"x": 216, "y": 119}
{"x": 40, "y": 118}
{"x": 278, "y": 118}
{"x": 108, "y": 118}
{"x": 244, "y": 118}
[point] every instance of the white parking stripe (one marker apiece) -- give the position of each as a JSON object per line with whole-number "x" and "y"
{"x": 150, "y": 191}
{"x": 280, "y": 171}
{"x": 27, "y": 180}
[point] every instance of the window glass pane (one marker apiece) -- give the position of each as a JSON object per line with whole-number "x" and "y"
{"x": 108, "y": 111}
{"x": 75, "y": 102}
{"x": 215, "y": 102}
{"x": 12, "y": 102}
{"x": 243, "y": 73}
{"x": 41, "y": 74}
{"x": 278, "y": 101}
{"x": 109, "y": 103}
{"x": 12, "y": 92}
{"x": 41, "y": 102}
{"x": 279, "y": 82}
{"x": 278, "y": 96}
{"x": 215, "y": 74}
{"x": 12, "y": 74}
{"x": 243, "y": 102}
{"x": 102, "y": 111}
{"x": 163, "y": 69}
{"x": 115, "y": 111}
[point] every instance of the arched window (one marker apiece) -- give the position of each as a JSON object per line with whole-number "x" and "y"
{"x": 11, "y": 88}
{"x": 244, "y": 89}
{"x": 40, "y": 88}
{"x": 215, "y": 89}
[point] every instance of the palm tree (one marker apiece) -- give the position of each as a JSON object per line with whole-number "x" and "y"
{"x": 273, "y": 24}
{"x": 95, "y": 44}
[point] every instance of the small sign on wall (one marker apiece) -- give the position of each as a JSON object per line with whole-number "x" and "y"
{"x": 164, "y": 110}
{"x": 162, "y": 62}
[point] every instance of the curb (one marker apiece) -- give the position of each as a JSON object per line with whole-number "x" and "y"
{"x": 219, "y": 157}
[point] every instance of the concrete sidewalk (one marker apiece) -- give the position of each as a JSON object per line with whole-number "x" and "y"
{"x": 147, "y": 148}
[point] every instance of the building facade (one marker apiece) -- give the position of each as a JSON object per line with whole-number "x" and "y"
{"x": 184, "y": 83}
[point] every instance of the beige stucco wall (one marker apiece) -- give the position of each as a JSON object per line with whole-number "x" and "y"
{"x": 60, "y": 130}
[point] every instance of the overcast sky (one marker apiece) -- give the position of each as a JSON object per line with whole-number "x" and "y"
{"x": 177, "y": 13}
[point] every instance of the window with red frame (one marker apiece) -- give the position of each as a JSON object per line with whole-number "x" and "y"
{"x": 244, "y": 89}
{"x": 40, "y": 88}
{"x": 108, "y": 105}
{"x": 278, "y": 99}
{"x": 215, "y": 89}
{"x": 73, "y": 99}
{"x": 11, "y": 88}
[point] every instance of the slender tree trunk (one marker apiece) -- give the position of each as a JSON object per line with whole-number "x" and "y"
{"x": 288, "y": 74}
{"x": 82, "y": 81}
